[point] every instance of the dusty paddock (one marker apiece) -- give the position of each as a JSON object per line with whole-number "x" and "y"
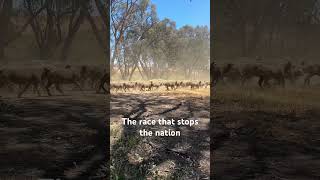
{"x": 53, "y": 137}
{"x": 184, "y": 157}
{"x": 265, "y": 133}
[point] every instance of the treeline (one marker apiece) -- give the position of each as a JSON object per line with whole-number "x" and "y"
{"x": 53, "y": 24}
{"x": 155, "y": 49}
{"x": 252, "y": 28}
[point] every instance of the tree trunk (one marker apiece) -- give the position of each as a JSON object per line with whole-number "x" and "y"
{"x": 73, "y": 29}
{"x": 132, "y": 71}
{"x": 255, "y": 37}
{"x": 2, "y": 56}
{"x": 66, "y": 48}
{"x": 244, "y": 44}
{"x": 5, "y": 15}
{"x": 95, "y": 30}
{"x": 44, "y": 53}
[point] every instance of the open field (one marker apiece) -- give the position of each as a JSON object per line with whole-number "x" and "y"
{"x": 181, "y": 157}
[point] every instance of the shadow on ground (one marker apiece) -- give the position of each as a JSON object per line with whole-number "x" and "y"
{"x": 135, "y": 157}
{"x": 264, "y": 145}
{"x": 56, "y": 137}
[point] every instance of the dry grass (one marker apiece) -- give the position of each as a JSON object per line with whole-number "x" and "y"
{"x": 275, "y": 125}
{"x": 180, "y": 92}
{"x": 171, "y": 75}
{"x": 289, "y": 99}
{"x": 183, "y": 92}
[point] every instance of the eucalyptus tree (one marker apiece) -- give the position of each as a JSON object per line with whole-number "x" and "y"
{"x": 130, "y": 23}
{"x": 56, "y": 25}
{"x": 163, "y": 48}
{"x": 5, "y": 15}
{"x": 194, "y": 49}
{"x": 144, "y": 20}
{"x": 13, "y": 22}
{"x": 140, "y": 42}
{"x": 76, "y": 11}
{"x": 273, "y": 25}
{"x": 121, "y": 16}
{"x": 97, "y": 13}
{"x": 5, "y": 11}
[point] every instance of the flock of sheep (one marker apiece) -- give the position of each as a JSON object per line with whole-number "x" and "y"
{"x": 35, "y": 79}
{"x": 267, "y": 76}
{"x": 86, "y": 77}
{"x": 97, "y": 78}
{"x": 169, "y": 86}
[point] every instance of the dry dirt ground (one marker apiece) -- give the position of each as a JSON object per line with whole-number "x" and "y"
{"x": 53, "y": 137}
{"x": 184, "y": 157}
{"x": 258, "y": 143}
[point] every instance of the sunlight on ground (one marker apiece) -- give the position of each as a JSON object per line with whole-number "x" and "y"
{"x": 179, "y": 92}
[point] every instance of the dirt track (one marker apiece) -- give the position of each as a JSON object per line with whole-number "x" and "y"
{"x": 184, "y": 157}
{"x": 63, "y": 137}
{"x": 53, "y": 137}
{"x": 265, "y": 145}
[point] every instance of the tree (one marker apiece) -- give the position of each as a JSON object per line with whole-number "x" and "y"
{"x": 78, "y": 10}
{"x": 11, "y": 27}
{"x": 141, "y": 43}
{"x": 57, "y": 24}
{"x": 130, "y": 22}
{"x": 5, "y": 15}
{"x": 121, "y": 16}
{"x": 194, "y": 49}
{"x": 266, "y": 26}
{"x": 100, "y": 21}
